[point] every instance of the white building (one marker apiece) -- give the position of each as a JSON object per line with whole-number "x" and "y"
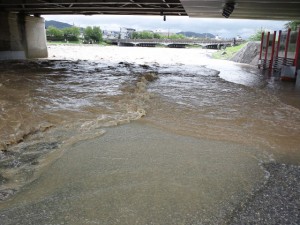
{"x": 126, "y": 33}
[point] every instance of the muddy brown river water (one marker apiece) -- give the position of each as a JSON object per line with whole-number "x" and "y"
{"x": 109, "y": 135}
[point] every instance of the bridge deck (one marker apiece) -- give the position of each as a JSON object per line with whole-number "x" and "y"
{"x": 246, "y": 9}
{"x": 86, "y": 7}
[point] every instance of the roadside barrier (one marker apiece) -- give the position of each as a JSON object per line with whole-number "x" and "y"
{"x": 279, "y": 53}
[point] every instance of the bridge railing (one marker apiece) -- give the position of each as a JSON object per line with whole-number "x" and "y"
{"x": 175, "y": 41}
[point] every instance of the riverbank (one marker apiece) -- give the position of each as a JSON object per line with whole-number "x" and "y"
{"x": 228, "y": 52}
{"x": 76, "y": 43}
{"x": 275, "y": 202}
{"x": 247, "y": 53}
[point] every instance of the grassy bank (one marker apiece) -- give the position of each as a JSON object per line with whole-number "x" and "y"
{"x": 63, "y": 42}
{"x": 228, "y": 52}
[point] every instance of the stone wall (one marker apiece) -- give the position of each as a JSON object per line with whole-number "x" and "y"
{"x": 248, "y": 54}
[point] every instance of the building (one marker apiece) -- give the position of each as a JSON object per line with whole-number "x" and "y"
{"x": 126, "y": 33}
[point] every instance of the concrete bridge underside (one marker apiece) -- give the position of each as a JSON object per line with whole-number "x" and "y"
{"x": 245, "y": 9}
{"x": 22, "y": 33}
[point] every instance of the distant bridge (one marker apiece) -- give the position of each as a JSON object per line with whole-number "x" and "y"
{"x": 172, "y": 43}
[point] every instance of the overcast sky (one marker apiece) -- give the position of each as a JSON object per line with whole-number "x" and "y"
{"x": 226, "y": 28}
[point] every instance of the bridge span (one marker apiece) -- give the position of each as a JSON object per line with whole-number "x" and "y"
{"x": 22, "y": 33}
{"x": 178, "y": 43}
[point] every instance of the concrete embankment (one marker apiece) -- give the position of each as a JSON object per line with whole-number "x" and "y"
{"x": 249, "y": 54}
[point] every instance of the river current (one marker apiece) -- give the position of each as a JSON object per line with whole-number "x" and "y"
{"x": 199, "y": 122}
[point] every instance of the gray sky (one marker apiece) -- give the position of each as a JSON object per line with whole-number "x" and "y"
{"x": 226, "y": 28}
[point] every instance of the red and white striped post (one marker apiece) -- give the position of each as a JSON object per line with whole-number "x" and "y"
{"x": 267, "y": 46}
{"x": 273, "y": 49}
{"x": 287, "y": 41}
{"x": 278, "y": 43}
{"x": 296, "y": 60}
{"x": 261, "y": 48}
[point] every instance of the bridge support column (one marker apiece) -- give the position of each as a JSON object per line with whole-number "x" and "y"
{"x": 22, "y": 37}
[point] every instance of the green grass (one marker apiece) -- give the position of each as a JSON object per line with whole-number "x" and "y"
{"x": 230, "y": 51}
{"x": 104, "y": 43}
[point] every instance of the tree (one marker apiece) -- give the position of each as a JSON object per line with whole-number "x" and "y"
{"x": 87, "y": 34}
{"x": 157, "y": 36}
{"x": 54, "y": 34}
{"x": 135, "y": 35}
{"x": 176, "y": 36}
{"x": 151, "y": 35}
{"x": 143, "y": 35}
{"x": 146, "y": 35}
{"x": 292, "y": 24}
{"x": 257, "y": 35}
{"x": 71, "y": 33}
{"x": 92, "y": 34}
{"x": 97, "y": 34}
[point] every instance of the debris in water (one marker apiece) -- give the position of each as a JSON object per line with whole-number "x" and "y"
{"x": 5, "y": 194}
{"x": 150, "y": 76}
{"x": 145, "y": 66}
{"x": 3, "y": 180}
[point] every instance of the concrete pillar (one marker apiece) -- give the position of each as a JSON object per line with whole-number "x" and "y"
{"x": 35, "y": 37}
{"x": 11, "y": 43}
{"x": 22, "y": 37}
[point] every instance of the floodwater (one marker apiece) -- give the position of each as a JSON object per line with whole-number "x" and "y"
{"x": 112, "y": 135}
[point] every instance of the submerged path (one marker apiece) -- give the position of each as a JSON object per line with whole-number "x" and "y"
{"x": 136, "y": 174}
